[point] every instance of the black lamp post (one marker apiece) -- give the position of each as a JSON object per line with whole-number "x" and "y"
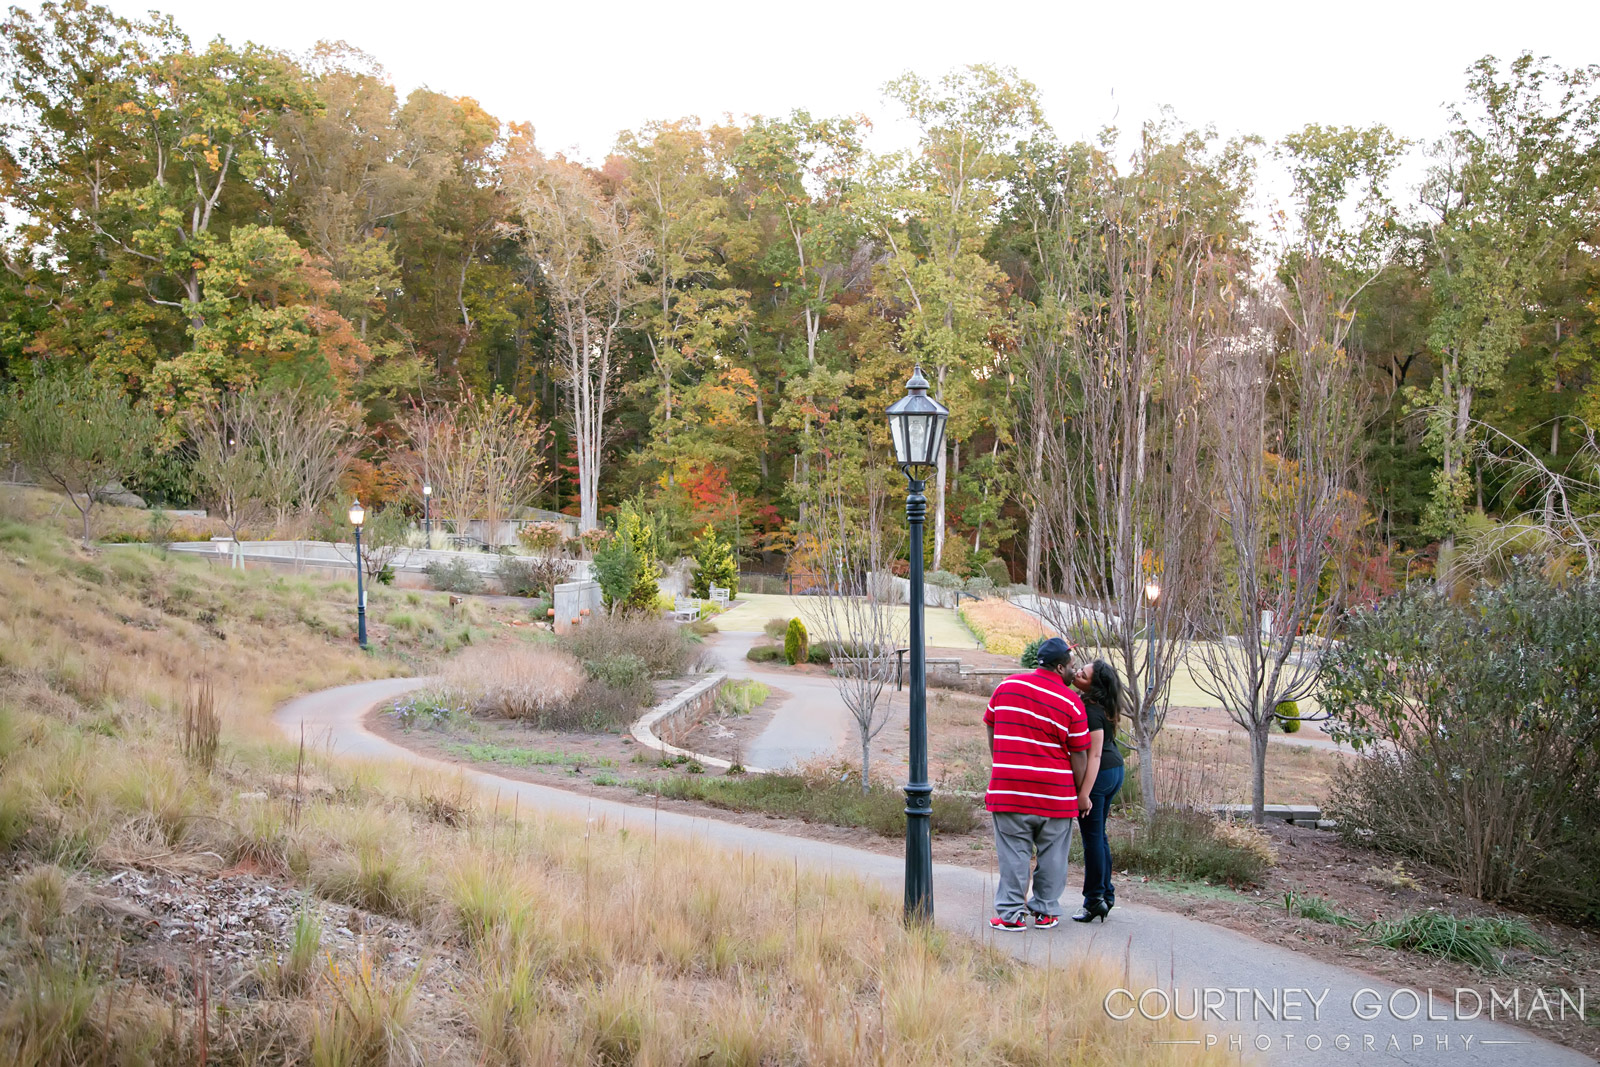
{"x": 427, "y": 516}
{"x": 358, "y": 515}
{"x": 916, "y": 422}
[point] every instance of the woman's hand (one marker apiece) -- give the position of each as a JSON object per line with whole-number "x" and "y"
{"x": 1085, "y": 805}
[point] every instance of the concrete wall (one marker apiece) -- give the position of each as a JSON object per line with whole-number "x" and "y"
{"x": 571, "y": 600}
{"x": 332, "y": 560}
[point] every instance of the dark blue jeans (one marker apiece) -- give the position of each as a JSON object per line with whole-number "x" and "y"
{"x": 1096, "y": 849}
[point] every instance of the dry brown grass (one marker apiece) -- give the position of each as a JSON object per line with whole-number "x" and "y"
{"x": 517, "y": 680}
{"x": 1003, "y": 627}
{"x": 543, "y": 941}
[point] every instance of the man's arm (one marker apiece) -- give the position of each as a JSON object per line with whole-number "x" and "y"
{"x": 1080, "y": 771}
{"x": 991, "y": 742}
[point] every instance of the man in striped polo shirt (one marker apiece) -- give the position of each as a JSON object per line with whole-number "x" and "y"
{"x": 1039, "y": 744}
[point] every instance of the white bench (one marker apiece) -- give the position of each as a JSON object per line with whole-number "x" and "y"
{"x": 686, "y": 609}
{"x": 719, "y": 596}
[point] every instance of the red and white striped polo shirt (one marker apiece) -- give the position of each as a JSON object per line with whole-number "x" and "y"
{"x": 1037, "y": 720}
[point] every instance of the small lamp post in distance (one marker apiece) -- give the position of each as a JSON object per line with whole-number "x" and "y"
{"x": 358, "y": 515}
{"x": 916, "y": 425}
{"x": 427, "y": 515}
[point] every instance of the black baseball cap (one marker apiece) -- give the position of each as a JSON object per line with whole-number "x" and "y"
{"x": 1054, "y": 651}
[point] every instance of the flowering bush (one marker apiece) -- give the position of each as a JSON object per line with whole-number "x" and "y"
{"x": 542, "y": 537}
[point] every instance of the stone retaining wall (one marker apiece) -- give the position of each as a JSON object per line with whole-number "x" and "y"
{"x": 680, "y": 712}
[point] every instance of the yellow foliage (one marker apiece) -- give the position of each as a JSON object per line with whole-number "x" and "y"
{"x": 1001, "y": 626}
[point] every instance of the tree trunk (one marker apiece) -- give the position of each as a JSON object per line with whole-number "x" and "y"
{"x": 1258, "y": 771}
{"x": 1035, "y": 512}
{"x": 866, "y": 763}
{"x": 1147, "y": 771}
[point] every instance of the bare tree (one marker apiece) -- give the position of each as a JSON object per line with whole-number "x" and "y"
{"x": 442, "y": 456}
{"x": 1561, "y": 528}
{"x": 307, "y": 443}
{"x": 508, "y": 442}
{"x": 1286, "y": 428}
{"x": 1130, "y": 262}
{"x": 483, "y": 455}
{"x": 588, "y": 254}
{"x": 230, "y": 468}
{"x": 854, "y": 603}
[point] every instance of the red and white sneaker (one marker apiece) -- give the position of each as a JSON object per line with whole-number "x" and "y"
{"x": 1045, "y": 922}
{"x": 1010, "y": 926}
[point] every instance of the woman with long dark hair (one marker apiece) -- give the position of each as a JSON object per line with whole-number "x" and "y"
{"x": 1102, "y": 696}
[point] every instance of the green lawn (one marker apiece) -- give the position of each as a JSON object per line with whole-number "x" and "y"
{"x": 752, "y": 610}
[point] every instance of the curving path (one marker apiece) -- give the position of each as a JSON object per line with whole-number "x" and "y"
{"x": 1153, "y": 948}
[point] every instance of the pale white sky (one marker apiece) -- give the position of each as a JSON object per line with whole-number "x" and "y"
{"x": 582, "y": 71}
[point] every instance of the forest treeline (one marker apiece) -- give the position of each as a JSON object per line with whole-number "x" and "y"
{"x": 714, "y": 317}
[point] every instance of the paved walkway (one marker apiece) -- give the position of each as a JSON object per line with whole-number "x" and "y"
{"x": 1152, "y": 948}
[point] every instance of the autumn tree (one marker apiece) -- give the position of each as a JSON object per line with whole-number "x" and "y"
{"x": 936, "y": 208}
{"x": 587, "y": 251}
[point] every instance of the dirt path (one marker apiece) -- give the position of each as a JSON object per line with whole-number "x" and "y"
{"x": 1249, "y": 985}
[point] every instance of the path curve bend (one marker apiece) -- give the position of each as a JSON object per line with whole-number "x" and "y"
{"x": 1156, "y": 949}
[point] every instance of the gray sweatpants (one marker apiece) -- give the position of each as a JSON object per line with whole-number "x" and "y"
{"x": 1017, "y": 838}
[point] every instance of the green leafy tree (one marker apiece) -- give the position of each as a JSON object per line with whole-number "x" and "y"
{"x": 79, "y": 434}
{"x": 616, "y": 568}
{"x": 935, "y": 212}
{"x": 714, "y": 564}
{"x": 1510, "y": 193}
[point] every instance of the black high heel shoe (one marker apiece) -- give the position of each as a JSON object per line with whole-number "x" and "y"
{"x": 1092, "y": 910}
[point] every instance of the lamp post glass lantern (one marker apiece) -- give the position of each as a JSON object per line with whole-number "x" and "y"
{"x": 916, "y": 424}
{"x": 358, "y": 515}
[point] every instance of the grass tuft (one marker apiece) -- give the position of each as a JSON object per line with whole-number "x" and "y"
{"x": 833, "y": 801}
{"x": 1474, "y": 941}
{"x": 1195, "y": 846}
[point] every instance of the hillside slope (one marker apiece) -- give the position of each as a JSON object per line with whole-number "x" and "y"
{"x": 164, "y": 901}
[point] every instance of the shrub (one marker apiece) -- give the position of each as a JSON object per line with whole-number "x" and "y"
{"x": 1030, "y": 653}
{"x": 1179, "y": 843}
{"x": 664, "y": 646}
{"x": 623, "y": 671}
{"x": 776, "y": 628}
{"x": 795, "y": 643}
{"x": 598, "y": 706}
{"x": 997, "y": 572}
{"x": 766, "y": 654}
{"x": 943, "y": 579}
{"x": 542, "y": 537}
{"x": 714, "y": 565}
{"x": 1288, "y": 716}
{"x": 453, "y": 576}
{"x": 742, "y": 696}
{"x": 515, "y": 680}
{"x": 531, "y": 575}
{"x": 1476, "y": 730}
